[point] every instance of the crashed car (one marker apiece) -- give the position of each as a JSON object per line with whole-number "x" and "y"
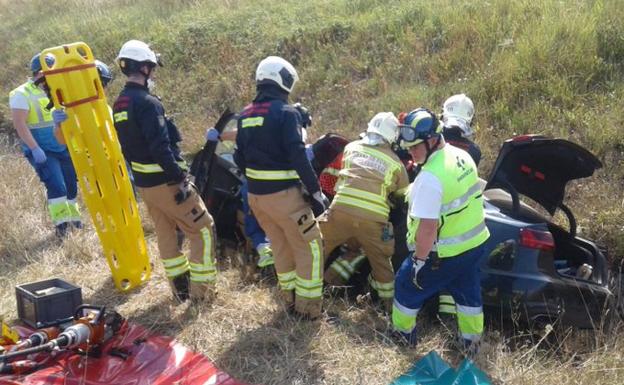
{"x": 534, "y": 266}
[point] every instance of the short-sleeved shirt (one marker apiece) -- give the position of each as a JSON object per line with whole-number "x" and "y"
{"x": 425, "y": 196}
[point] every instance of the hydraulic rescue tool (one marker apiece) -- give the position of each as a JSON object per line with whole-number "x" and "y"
{"x": 96, "y": 154}
{"x": 91, "y": 326}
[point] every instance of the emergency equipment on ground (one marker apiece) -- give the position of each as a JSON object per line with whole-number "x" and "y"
{"x": 96, "y": 154}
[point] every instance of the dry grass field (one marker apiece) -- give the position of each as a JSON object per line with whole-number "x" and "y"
{"x": 548, "y": 67}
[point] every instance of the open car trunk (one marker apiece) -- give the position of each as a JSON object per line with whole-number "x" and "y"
{"x": 540, "y": 168}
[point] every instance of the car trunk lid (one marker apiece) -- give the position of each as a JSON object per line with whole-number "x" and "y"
{"x": 539, "y": 168}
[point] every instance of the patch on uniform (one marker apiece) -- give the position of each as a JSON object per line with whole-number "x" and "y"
{"x": 161, "y": 120}
{"x": 369, "y": 162}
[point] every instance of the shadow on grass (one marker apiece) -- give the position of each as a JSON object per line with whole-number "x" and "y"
{"x": 280, "y": 349}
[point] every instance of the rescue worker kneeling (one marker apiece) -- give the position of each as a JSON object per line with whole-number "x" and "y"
{"x": 271, "y": 152}
{"x": 149, "y": 142}
{"x": 370, "y": 172}
{"x": 446, "y": 231}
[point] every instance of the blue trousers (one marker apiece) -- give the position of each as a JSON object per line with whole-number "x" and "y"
{"x": 57, "y": 174}
{"x": 252, "y": 227}
{"x": 458, "y": 275}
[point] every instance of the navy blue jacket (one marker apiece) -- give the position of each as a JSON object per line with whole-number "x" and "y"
{"x": 272, "y": 142}
{"x": 453, "y": 136}
{"x": 146, "y": 136}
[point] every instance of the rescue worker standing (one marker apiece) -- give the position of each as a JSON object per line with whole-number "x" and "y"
{"x": 34, "y": 123}
{"x": 446, "y": 230}
{"x": 271, "y": 153}
{"x": 457, "y": 114}
{"x": 149, "y": 143}
{"x": 370, "y": 173}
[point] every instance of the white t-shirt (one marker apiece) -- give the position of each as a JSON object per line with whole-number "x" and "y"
{"x": 18, "y": 101}
{"x": 425, "y": 196}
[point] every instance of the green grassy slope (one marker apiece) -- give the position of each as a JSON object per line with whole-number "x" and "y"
{"x": 547, "y": 67}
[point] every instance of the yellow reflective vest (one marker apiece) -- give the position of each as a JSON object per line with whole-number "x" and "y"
{"x": 462, "y": 219}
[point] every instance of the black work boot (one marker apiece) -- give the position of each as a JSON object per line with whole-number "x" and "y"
{"x": 180, "y": 287}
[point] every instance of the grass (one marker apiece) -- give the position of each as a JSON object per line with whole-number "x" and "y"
{"x": 548, "y": 67}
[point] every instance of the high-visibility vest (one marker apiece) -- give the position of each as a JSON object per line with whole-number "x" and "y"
{"x": 462, "y": 219}
{"x": 38, "y": 115}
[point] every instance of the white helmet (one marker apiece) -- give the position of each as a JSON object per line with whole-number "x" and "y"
{"x": 138, "y": 51}
{"x": 458, "y": 106}
{"x": 458, "y": 111}
{"x": 275, "y": 70}
{"x": 386, "y": 125}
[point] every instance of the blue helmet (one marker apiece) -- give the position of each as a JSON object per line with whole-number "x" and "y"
{"x": 35, "y": 62}
{"x": 105, "y": 73}
{"x": 418, "y": 126}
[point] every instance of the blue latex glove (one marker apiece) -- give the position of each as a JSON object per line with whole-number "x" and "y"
{"x": 59, "y": 116}
{"x": 38, "y": 155}
{"x": 417, "y": 265}
{"x": 212, "y": 135}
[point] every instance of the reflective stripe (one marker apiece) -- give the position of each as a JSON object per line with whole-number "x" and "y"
{"x": 384, "y": 290}
{"x": 361, "y": 204}
{"x": 74, "y": 210}
{"x": 271, "y": 174}
{"x": 175, "y": 266}
{"x": 463, "y": 237}
{"x": 338, "y": 268}
{"x": 287, "y": 280}
{"x": 403, "y": 319}
{"x": 447, "y": 299}
{"x": 470, "y": 320}
{"x": 59, "y": 211}
{"x": 317, "y": 255}
{"x": 120, "y": 116}
{"x": 170, "y": 262}
{"x": 309, "y": 288}
{"x": 152, "y": 168}
{"x": 405, "y": 310}
{"x": 252, "y": 122}
{"x": 470, "y": 310}
{"x": 459, "y": 202}
{"x": 203, "y": 278}
{"x": 447, "y": 309}
{"x": 207, "y": 238}
{"x": 199, "y": 268}
{"x": 362, "y": 194}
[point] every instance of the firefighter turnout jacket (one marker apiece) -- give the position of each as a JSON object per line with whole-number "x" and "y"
{"x": 149, "y": 141}
{"x": 368, "y": 176}
{"x": 270, "y": 148}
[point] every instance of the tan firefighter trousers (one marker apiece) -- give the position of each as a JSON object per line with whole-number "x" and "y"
{"x": 297, "y": 247}
{"x": 192, "y": 217}
{"x": 338, "y": 227}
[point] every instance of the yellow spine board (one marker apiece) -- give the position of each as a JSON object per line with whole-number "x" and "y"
{"x": 96, "y": 154}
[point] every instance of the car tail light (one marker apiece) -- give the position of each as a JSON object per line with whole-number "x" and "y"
{"x": 536, "y": 239}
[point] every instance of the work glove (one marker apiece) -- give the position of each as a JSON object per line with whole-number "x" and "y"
{"x": 306, "y": 118}
{"x": 416, "y": 266}
{"x": 212, "y": 135}
{"x": 320, "y": 203}
{"x": 38, "y": 155}
{"x": 185, "y": 189}
{"x": 59, "y": 116}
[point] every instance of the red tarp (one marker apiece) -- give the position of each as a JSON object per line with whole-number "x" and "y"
{"x": 152, "y": 359}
